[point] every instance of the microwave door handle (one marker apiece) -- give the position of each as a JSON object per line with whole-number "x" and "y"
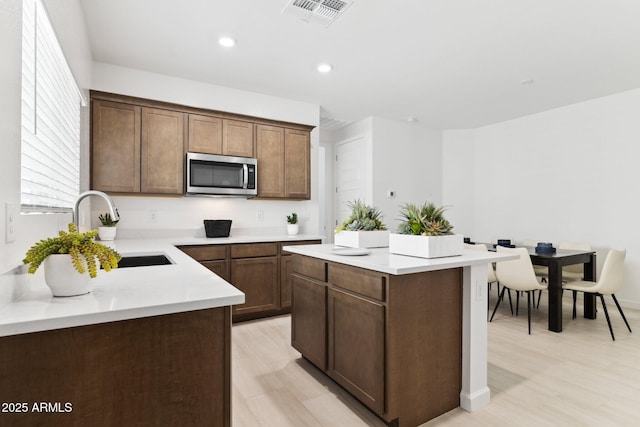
{"x": 245, "y": 176}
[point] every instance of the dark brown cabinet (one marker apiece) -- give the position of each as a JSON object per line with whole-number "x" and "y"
{"x": 309, "y": 331}
{"x": 392, "y": 341}
{"x": 237, "y": 138}
{"x": 260, "y": 270}
{"x": 139, "y": 145}
{"x": 115, "y": 151}
{"x": 214, "y": 257}
{"x": 283, "y": 163}
{"x": 356, "y": 346}
{"x": 136, "y": 149}
{"x": 213, "y": 135}
{"x": 297, "y": 161}
{"x": 205, "y": 134}
{"x": 162, "y": 152}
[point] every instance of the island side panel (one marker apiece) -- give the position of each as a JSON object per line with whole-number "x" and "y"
{"x": 424, "y": 345}
{"x": 170, "y": 370}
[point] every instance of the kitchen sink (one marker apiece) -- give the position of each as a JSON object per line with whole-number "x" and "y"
{"x": 144, "y": 260}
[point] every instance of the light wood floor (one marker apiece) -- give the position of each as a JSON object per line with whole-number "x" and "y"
{"x": 579, "y": 377}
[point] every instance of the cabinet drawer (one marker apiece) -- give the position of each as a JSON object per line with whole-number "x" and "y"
{"x": 206, "y": 252}
{"x": 297, "y": 242}
{"x": 252, "y": 250}
{"x": 310, "y": 267}
{"x": 364, "y": 282}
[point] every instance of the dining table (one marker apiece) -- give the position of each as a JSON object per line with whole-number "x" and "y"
{"x": 554, "y": 262}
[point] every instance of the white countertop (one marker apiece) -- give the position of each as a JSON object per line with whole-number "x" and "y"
{"x": 128, "y": 293}
{"x": 379, "y": 259}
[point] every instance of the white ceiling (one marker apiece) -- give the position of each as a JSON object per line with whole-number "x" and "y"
{"x": 449, "y": 63}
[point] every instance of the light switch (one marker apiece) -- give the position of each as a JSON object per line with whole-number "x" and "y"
{"x": 11, "y": 219}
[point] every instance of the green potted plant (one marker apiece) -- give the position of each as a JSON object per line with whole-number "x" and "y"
{"x": 425, "y": 232}
{"x": 67, "y": 258}
{"x": 363, "y": 228}
{"x": 107, "y": 231}
{"x": 292, "y": 224}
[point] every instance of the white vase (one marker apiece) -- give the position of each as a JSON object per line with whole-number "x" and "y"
{"x": 107, "y": 233}
{"x": 426, "y": 246}
{"x": 362, "y": 239}
{"x": 292, "y": 229}
{"x": 63, "y": 279}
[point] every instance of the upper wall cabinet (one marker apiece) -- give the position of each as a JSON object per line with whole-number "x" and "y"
{"x": 139, "y": 145}
{"x": 284, "y": 170}
{"x": 162, "y": 152}
{"x": 115, "y": 149}
{"x": 136, "y": 149}
{"x": 212, "y": 135}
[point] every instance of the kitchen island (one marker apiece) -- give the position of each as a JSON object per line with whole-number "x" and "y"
{"x": 406, "y": 336}
{"x": 148, "y": 346}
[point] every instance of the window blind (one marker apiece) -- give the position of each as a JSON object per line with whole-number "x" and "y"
{"x": 51, "y": 102}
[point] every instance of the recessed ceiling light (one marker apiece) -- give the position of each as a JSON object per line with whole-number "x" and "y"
{"x": 527, "y": 82}
{"x": 325, "y": 68}
{"x": 227, "y": 41}
{"x": 412, "y": 119}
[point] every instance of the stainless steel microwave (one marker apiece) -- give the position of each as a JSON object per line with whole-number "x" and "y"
{"x": 211, "y": 174}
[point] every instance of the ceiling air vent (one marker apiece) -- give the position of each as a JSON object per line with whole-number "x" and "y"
{"x": 322, "y": 12}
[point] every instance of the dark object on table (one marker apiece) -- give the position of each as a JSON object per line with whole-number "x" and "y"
{"x": 506, "y": 243}
{"x": 545, "y": 248}
{"x": 468, "y": 241}
{"x": 217, "y": 227}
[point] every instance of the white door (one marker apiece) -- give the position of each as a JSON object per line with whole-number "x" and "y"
{"x": 350, "y": 170}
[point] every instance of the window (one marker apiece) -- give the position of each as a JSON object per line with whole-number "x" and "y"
{"x": 51, "y": 102}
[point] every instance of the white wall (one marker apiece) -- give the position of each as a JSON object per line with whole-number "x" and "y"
{"x": 188, "y": 212}
{"x": 405, "y": 158}
{"x": 568, "y": 174}
{"x": 66, "y": 16}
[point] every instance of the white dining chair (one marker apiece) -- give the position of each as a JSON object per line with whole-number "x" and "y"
{"x": 610, "y": 281}
{"x": 571, "y": 273}
{"x": 518, "y": 275}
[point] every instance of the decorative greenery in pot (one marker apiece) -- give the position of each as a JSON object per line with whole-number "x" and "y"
{"x": 292, "y": 224}
{"x": 77, "y": 246}
{"x": 424, "y": 220}
{"x": 108, "y": 229}
{"x": 363, "y": 217}
{"x": 107, "y": 221}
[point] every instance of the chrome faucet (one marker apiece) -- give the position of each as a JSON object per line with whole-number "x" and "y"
{"x": 112, "y": 207}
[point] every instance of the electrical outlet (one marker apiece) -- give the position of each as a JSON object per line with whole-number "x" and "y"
{"x": 153, "y": 217}
{"x": 11, "y": 219}
{"x": 260, "y": 215}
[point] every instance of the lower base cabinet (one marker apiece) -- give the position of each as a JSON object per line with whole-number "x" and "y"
{"x": 393, "y": 342}
{"x": 258, "y": 279}
{"x": 172, "y": 370}
{"x": 261, "y": 270}
{"x": 356, "y": 347}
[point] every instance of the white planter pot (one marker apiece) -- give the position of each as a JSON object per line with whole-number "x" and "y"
{"x": 107, "y": 233}
{"x": 292, "y": 229}
{"x": 426, "y": 246}
{"x": 63, "y": 279}
{"x": 362, "y": 239}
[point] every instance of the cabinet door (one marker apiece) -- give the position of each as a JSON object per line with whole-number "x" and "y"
{"x": 297, "y": 169}
{"x": 237, "y": 138}
{"x": 285, "y": 280}
{"x": 270, "y": 154}
{"x": 309, "y": 319}
{"x": 221, "y": 268}
{"x": 356, "y": 347}
{"x": 162, "y": 151}
{"x": 205, "y": 134}
{"x": 258, "y": 279}
{"x": 115, "y": 147}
